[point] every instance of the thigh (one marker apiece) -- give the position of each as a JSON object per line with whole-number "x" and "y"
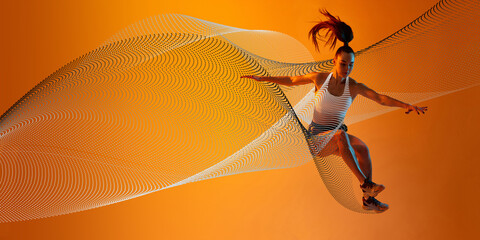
{"x": 339, "y": 138}
{"x": 355, "y": 141}
{"x": 332, "y": 146}
{"x": 358, "y": 145}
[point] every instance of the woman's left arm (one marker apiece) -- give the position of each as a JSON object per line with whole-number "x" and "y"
{"x": 385, "y": 100}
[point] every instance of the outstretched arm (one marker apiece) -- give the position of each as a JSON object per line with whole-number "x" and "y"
{"x": 286, "y": 80}
{"x": 386, "y": 100}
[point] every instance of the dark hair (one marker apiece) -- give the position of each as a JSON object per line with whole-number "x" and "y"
{"x": 336, "y": 30}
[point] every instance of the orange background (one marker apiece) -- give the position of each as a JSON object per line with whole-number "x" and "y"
{"x": 429, "y": 172}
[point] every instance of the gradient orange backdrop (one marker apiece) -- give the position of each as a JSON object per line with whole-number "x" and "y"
{"x": 431, "y": 177}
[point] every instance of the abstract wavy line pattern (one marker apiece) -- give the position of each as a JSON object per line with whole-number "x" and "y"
{"x": 162, "y": 104}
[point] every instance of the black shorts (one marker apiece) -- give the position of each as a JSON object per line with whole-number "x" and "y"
{"x": 315, "y": 128}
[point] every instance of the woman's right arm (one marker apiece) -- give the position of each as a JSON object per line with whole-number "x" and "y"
{"x": 287, "y": 80}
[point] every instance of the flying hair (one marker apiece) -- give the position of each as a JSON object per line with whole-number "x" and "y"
{"x": 335, "y": 30}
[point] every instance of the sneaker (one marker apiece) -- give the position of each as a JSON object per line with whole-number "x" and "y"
{"x": 373, "y": 204}
{"x": 371, "y": 189}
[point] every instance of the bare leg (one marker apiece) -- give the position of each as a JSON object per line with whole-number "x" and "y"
{"x": 348, "y": 154}
{"x": 349, "y": 148}
{"x": 354, "y": 152}
{"x": 363, "y": 155}
{"x": 340, "y": 146}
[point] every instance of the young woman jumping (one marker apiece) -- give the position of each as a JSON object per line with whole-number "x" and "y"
{"x": 337, "y": 92}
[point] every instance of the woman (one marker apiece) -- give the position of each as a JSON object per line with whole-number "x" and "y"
{"x": 337, "y": 91}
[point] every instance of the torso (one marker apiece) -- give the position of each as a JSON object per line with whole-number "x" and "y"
{"x": 335, "y": 90}
{"x": 332, "y": 100}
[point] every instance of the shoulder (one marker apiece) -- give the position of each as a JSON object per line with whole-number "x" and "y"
{"x": 355, "y": 86}
{"x": 319, "y": 77}
{"x": 352, "y": 82}
{"x": 362, "y": 89}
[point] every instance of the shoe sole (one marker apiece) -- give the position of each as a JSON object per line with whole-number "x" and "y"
{"x": 371, "y": 209}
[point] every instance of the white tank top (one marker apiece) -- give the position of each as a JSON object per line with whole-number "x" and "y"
{"x": 330, "y": 110}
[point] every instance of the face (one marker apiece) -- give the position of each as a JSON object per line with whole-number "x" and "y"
{"x": 343, "y": 64}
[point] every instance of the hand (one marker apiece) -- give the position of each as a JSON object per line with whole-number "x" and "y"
{"x": 258, "y": 78}
{"x": 418, "y": 109}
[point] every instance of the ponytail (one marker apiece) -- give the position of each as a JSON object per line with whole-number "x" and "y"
{"x": 336, "y": 30}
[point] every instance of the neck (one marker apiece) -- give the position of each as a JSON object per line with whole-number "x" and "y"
{"x": 337, "y": 77}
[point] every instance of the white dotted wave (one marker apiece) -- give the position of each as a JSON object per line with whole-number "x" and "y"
{"x": 162, "y": 104}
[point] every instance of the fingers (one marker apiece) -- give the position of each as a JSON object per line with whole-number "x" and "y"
{"x": 417, "y": 109}
{"x": 408, "y": 111}
{"x": 423, "y": 109}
